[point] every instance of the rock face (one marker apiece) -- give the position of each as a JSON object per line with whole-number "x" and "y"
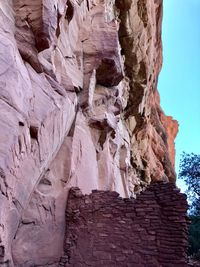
{"x": 79, "y": 107}
{"x": 106, "y": 230}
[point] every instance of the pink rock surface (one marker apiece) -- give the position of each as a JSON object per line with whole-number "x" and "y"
{"x": 79, "y": 107}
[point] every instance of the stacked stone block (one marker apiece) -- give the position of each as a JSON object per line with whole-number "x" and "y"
{"x": 104, "y": 229}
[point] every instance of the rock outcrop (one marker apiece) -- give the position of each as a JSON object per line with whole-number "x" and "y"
{"x": 79, "y": 107}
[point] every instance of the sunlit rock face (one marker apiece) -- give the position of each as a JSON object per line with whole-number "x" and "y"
{"x": 79, "y": 107}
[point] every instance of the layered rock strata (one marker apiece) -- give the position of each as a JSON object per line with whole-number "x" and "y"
{"x": 104, "y": 229}
{"x": 79, "y": 107}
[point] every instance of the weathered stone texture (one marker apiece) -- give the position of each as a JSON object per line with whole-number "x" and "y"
{"x": 79, "y": 107}
{"x": 140, "y": 38}
{"x": 104, "y": 229}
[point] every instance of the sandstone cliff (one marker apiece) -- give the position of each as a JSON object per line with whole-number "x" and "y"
{"x": 79, "y": 107}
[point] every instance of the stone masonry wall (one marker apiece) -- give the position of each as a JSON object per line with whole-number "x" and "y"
{"x": 104, "y": 229}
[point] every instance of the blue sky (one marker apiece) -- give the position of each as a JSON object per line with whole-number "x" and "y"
{"x": 179, "y": 81}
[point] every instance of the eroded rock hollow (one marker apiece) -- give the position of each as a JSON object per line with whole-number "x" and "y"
{"x": 79, "y": 107}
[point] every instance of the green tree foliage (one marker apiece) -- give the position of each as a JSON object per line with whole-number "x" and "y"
{"x": 190, "y": 173}
{"x": 194, "y": 237}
